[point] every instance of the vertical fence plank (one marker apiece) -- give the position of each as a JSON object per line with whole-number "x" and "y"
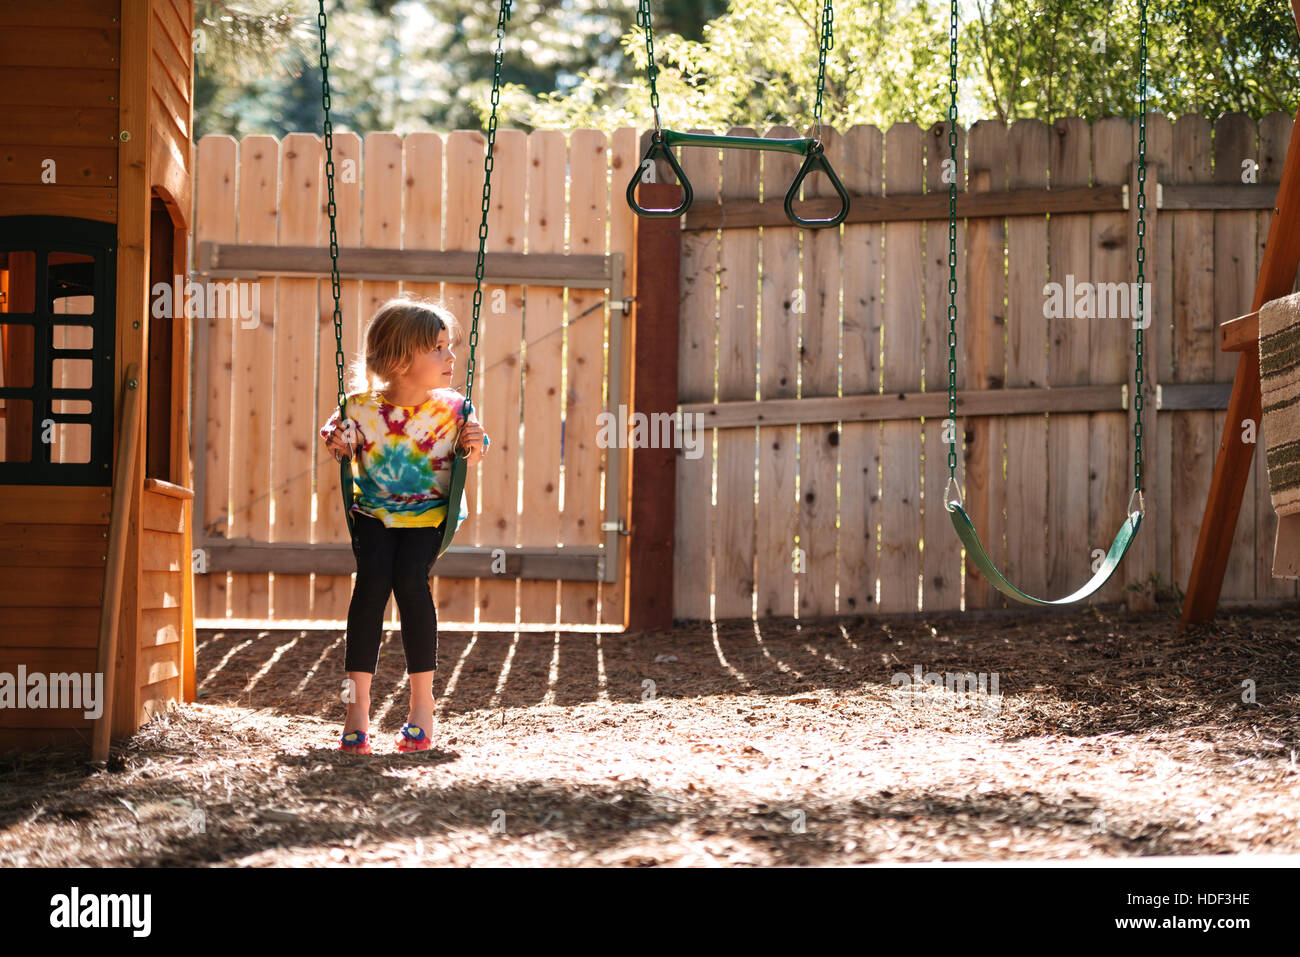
{"x": 1030, "y": 146}
{"x": 1235, "y": 271}
{"x": 1192, "y": 441}
{"x": 589, "y": 202}
{"x": 863, "y": 149}
{"x": 622, "y": 239}
{"x": 819, "y": 441}
{"x": 293, "y": 431}
{"x": 543, "y": 363}
{"x": 1111, "y": 339}
{"x": 331, "y": 594}
{"x": 498, "y": 374}
{"x": 941, "y": 558}
{"x": 778, "y": 460}
{"x": 982, "y": 350}
{"x": 250, "y": 419}
{"x": 900, "y": 565}
{"x": 214, "y": 221}
{"x": 779, "y": 356}
{"x": 465, "y": 151}
{"x": 381, "y": 225}
{"x": 381, "y": 214}
{"x": 693, "y": 576}
{"x": 1274, "y": 135}
{"x": 1070, "y": 239}
{"x": 733, "y": 554}
{"x": 422, "y": 213}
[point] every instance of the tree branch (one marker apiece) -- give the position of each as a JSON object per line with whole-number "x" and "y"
{"x": 1014, "y": 89}
{"x": 988, "y": 62}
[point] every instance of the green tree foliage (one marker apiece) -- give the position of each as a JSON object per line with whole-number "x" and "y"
{"x": 756, "y": 64}
{"x": 236, "y": 41}
{"x": 400, "y": 64}
{"x": 406, "y": 65}
{"x": 1241, "y": 57}
{"x": 1049, "y": 58}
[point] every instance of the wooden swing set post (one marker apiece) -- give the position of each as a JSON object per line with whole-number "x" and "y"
{"x": 652, "y": 478}
{"x": 1277, "y": 275}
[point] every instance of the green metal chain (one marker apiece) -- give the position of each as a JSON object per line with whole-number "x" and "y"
{"x": 952, "y": 245}
{"x": 827, "y": 41}
{"x": 1141, "y": 244}
{"x": 345, "y": 465}
{"x": 333, "y": 210}
{"x": 652, "y": 72}
{"x": 502, "y": 17}
{"x": 1141, "y": 247}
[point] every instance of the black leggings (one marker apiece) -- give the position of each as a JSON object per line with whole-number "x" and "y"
{"x": 396, "y": 561}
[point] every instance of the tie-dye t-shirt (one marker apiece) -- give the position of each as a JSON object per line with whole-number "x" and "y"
{"x": 402, "y": 468}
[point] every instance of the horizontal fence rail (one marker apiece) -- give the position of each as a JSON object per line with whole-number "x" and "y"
{"x": 411, "y": 265}
{"x": 1020, "y": 202}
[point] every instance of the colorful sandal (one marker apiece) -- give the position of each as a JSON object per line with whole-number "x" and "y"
{"x": 412, "y": 738}
{"x": 356, "y": 742}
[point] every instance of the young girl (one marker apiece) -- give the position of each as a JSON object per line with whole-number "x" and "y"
{"x": 401, "y": 430}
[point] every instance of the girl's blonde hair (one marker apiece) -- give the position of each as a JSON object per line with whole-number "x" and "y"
{"x": 398, "y": 330}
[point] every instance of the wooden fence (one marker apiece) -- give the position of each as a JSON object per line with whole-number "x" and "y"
{"x": 817, "y": 360}
{"x": 266, "y": 486}
{"x": 821, "y": 358}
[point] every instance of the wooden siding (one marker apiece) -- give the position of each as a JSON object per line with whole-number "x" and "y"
{"x": 171, "y": 112}
{"x": 53, "y": 573}
{"x": 59, "y": 85}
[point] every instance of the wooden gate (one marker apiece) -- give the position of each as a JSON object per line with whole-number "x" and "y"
{"x": 542, "y": 544}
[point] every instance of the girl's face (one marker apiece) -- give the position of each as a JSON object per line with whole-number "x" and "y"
{"x": 433, "y": 369}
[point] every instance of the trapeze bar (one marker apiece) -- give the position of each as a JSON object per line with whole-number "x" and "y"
{"x": 798, "y": 147}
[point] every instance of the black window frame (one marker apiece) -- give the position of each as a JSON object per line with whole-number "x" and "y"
{"x": 66, "y": 234}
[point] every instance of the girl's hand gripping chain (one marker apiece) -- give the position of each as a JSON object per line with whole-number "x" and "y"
{"x": 342, "y": 440}
{"x": 474, "y": 441}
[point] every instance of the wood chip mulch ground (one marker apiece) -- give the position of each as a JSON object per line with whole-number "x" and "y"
{"x": 741, "y": 743}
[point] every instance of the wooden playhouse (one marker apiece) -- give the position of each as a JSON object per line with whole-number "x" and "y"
{"x": 95, "y": 176}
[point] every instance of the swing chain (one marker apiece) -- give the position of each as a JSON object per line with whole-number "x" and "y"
{"x": 827, "y": 41}
{"x": 335, "y": 286}
{"x": 502, "y": 16}
{"x": 346, "y": 488}
{"x": 1142, "y": 307}
{"x": 643, "y": 21}
{"x": 952, "y": 244}
{"x": 1138, "y": 375}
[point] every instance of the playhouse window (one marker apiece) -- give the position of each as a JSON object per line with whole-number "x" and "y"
{"x": 17, "y": 354}
{"x": 56, "y": 325}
